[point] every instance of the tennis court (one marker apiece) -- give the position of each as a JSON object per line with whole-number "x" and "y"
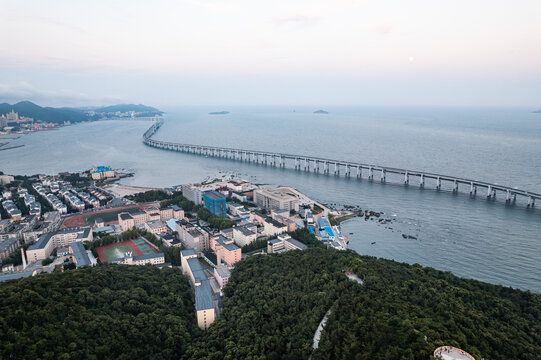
{"x": 137, "y": 247}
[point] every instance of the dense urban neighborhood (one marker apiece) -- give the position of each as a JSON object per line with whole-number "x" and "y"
{"x": 57, "y": 223}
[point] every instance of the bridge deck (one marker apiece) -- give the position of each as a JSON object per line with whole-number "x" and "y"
{"x": 147, "y": 138}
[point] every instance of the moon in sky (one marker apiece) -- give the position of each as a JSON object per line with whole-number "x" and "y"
{"x": 411, "y": 58}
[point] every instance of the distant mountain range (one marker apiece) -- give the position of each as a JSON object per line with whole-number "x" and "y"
{"x": 127, "y": 108}
{"x": 46, "y": 114}
{"x": 74, "y": 115}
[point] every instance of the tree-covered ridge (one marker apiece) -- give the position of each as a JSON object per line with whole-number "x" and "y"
{"x": 105, "y": 312}
{"x": 47, "y": 114}
{"x": 274, "y": 304}
{"x": 272, "y": 307}
{"x": 406, "y": 311}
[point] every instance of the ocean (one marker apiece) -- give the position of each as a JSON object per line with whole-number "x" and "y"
{"x": 474, "y": 238}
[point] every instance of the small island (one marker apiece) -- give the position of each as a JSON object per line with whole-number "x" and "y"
{"x": 219, "y": 113}
{"x": 321, "y": 112}
{"x": 537, "y": 112}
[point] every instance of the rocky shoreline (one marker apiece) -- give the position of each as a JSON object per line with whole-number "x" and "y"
{"x": 350, "y": 212}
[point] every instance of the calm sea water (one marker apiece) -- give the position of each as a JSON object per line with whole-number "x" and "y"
{"x": 474, "y": 238}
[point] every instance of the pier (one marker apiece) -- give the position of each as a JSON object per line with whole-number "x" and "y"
{"x": 346, "y": 168}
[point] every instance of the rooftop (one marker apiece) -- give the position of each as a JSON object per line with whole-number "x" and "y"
{"x": 244, "y": 230}
{"x": 197, "y": 270}
{"x": 274, "y": 222}
{"x": 125, "y": 216}
{"x": 214, "y": 195}
{"x": 101, "y": 169}
{"x": 42, "y": 241}
{"x": 228, "y": 246}
{"x": 297, "y": 243}
{"x": 203, "y": 296}
{"x": 223, "y": 271}
{"x": 187, "y": 252}
{"x": 79, "y": 252}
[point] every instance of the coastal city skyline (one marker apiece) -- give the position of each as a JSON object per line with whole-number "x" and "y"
{"x": 286, "y": 53}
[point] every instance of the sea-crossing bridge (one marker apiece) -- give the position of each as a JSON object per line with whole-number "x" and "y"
{"x": 335, "y": 167}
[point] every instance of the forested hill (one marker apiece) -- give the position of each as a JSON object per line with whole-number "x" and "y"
{"x": 46, "y": 114}
{"x": 105, "y": 312}
{"x": 74, "y": 115}
{"x": 129, "y": 107}
{"x": 273, "y": 305}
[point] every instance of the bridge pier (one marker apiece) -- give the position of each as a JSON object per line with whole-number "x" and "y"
{"x": 255, "y": 157}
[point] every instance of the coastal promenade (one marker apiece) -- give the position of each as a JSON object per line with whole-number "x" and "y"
{"x": 346, "y": 168}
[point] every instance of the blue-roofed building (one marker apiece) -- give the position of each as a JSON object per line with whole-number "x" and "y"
{"x": 324, "y": 224}
{"x": 101, "y": 172}
{"x": 215, "y": 203}
{"x": 78, "y": 253}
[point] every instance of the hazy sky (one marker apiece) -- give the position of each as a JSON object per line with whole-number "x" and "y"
{"x": 237, "y": 52}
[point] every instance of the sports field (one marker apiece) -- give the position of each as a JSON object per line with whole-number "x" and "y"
{"x": 118, "y": 250}
{"x": 108, "y": 216}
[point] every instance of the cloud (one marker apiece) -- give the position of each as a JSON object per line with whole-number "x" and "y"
{"x": 20, "y": 91}
{"x": 298, "y": 19}
{"x": 383, "y": 29}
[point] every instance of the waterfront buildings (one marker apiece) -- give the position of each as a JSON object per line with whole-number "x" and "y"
{"x": 204, "y": 304}
{"x": 6, "y": 179}
{"x": 215, "y": 203}
{"x": 284, "y": 243}
{"x": 101, "y": 172}
{"x": 193, "y": 193}
{"x": 276, "y": 199}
